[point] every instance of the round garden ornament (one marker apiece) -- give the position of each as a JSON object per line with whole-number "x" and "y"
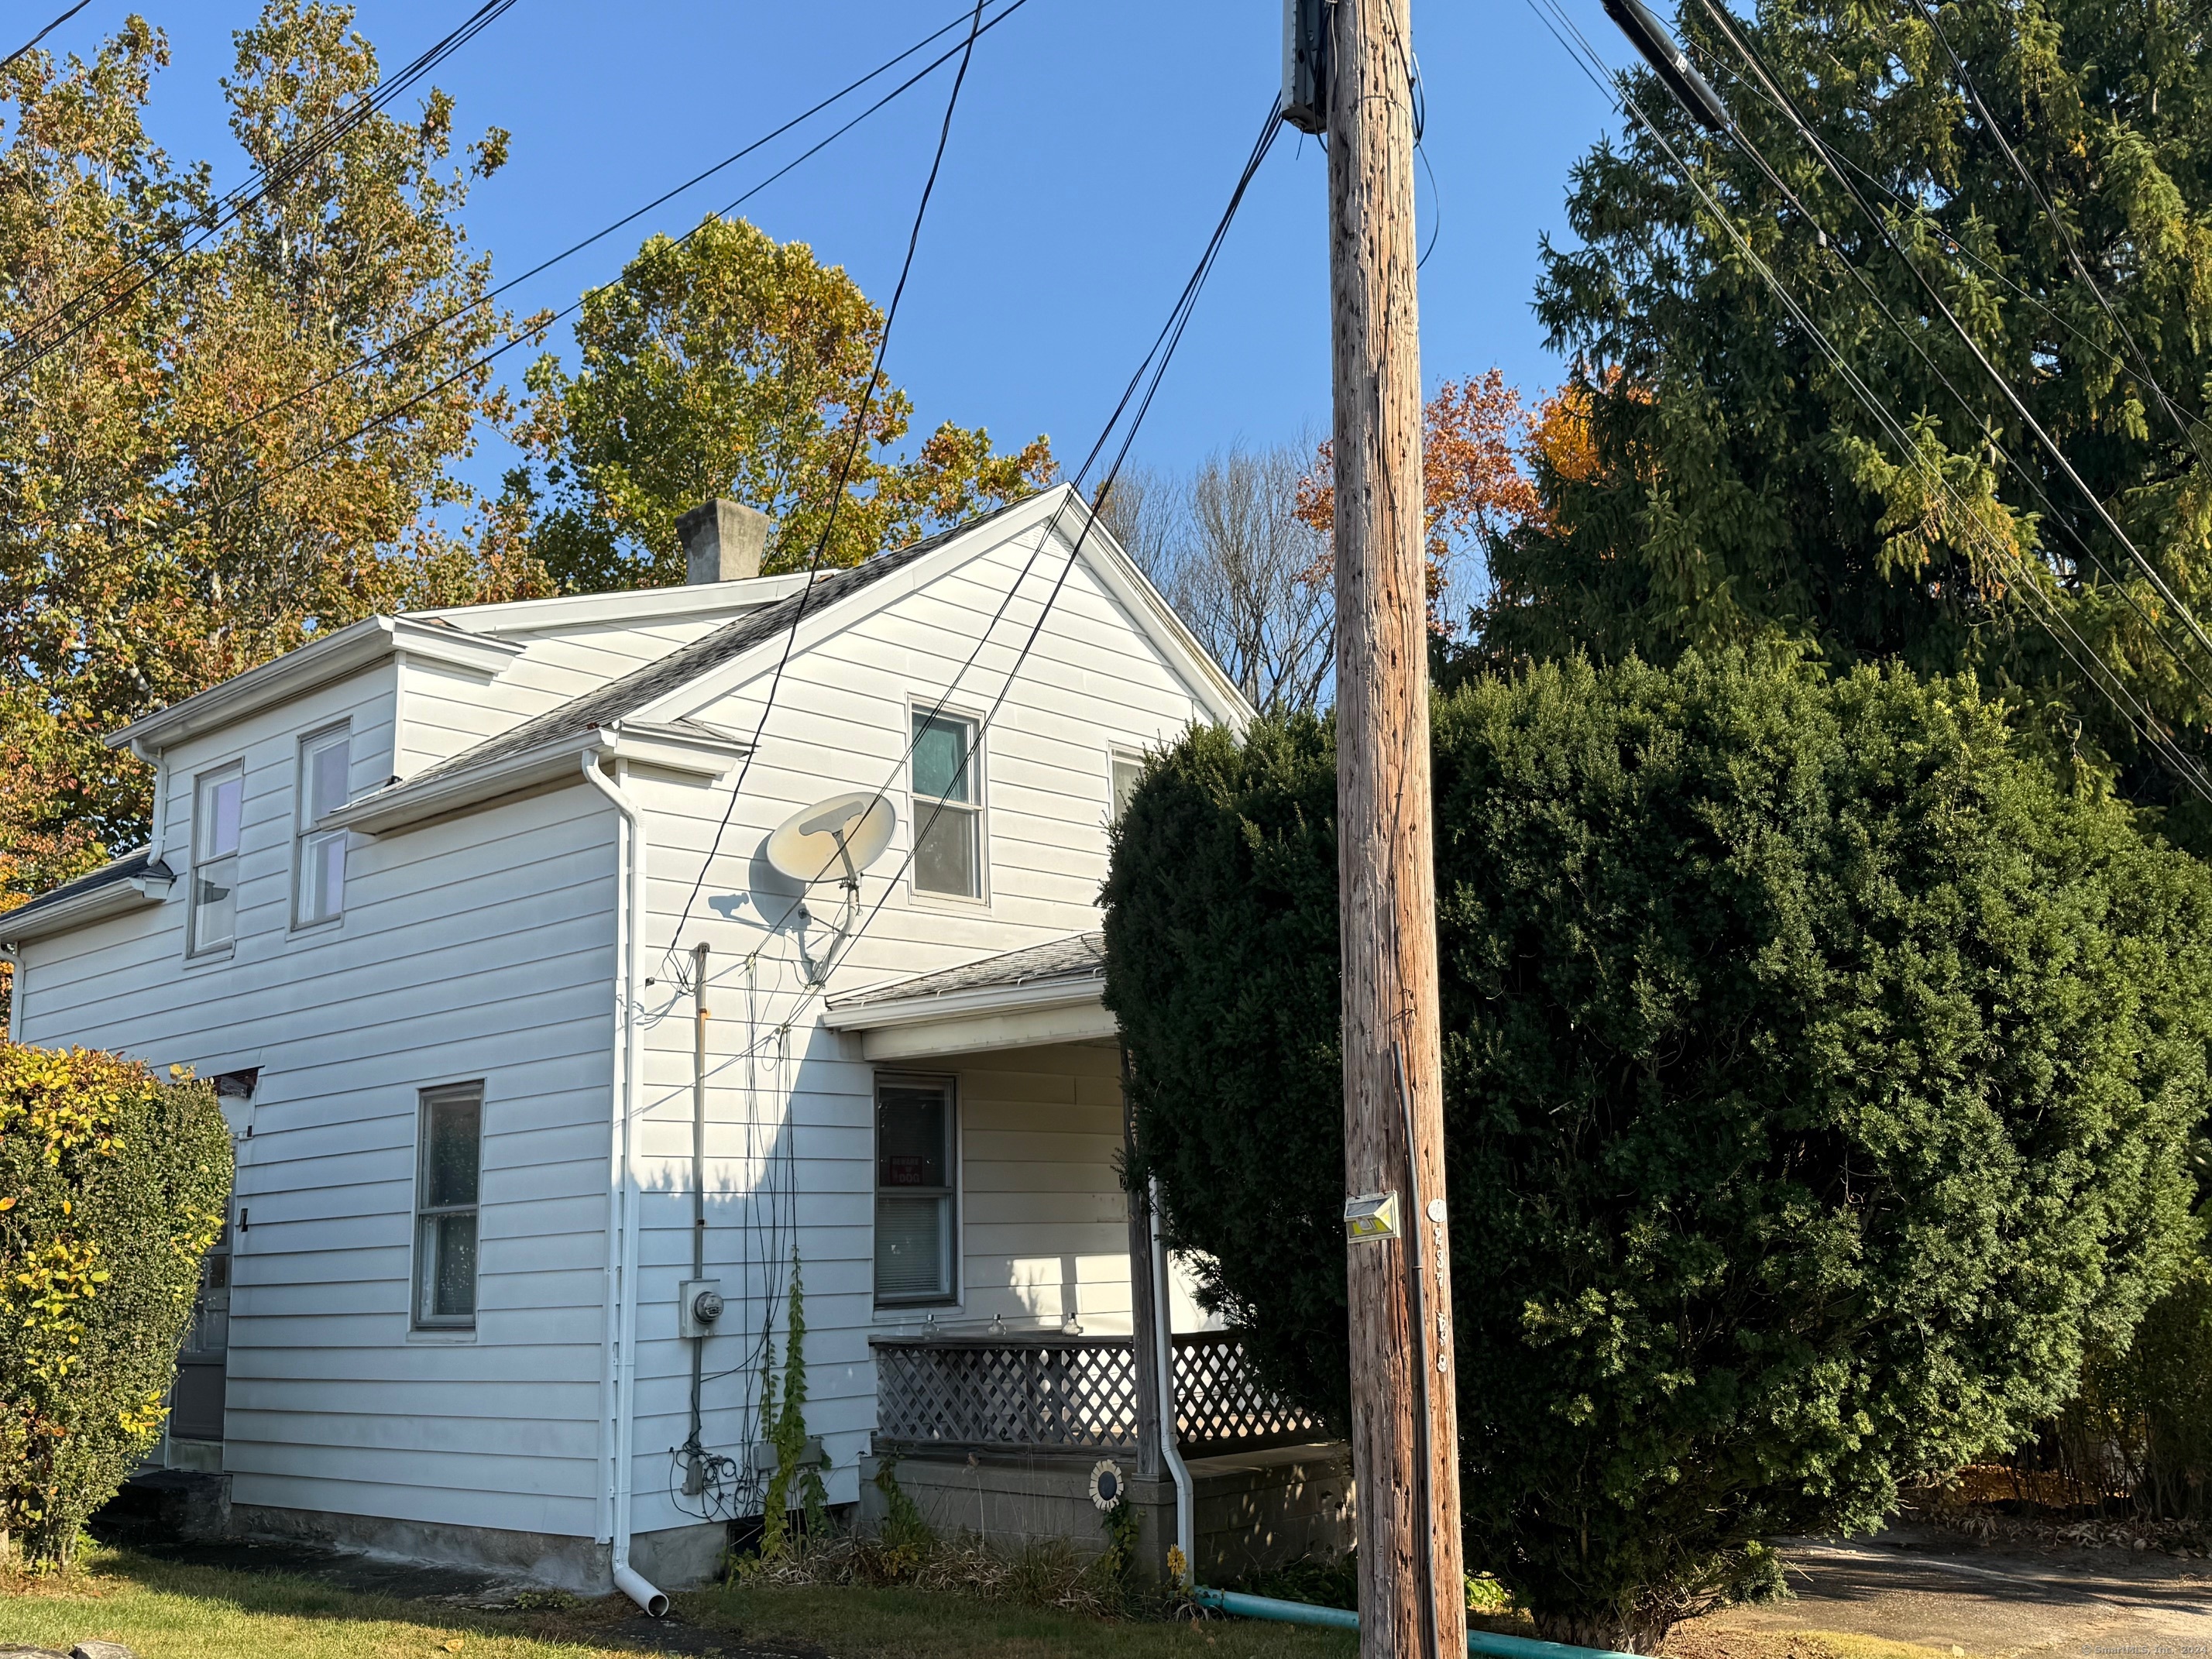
{"x": 1108, "y": 1488}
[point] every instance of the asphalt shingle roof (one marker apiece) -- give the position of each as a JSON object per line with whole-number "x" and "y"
{"x": 122, "y": 869}
{"x": 641, "y": 687}
{"x": 1079, "y": 957}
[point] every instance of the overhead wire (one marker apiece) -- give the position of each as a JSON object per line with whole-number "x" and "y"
{"x": 25, "y": 353}
{"x": 2140, "y": 718}
{"x": 2059, "y": 458}
{"x": 168, "y": 532}
{"x": 370, "y": 359}
{"x": 836, "y": 497}
{"x": 1767, "y": 88}
{"x": 1779, "y": 98}
{"x": 2064, "y": 235}
{"x": 44, "y": 32}
{"x": 1135, "y": 404}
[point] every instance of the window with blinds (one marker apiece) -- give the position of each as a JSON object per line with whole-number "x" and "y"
{"x": 915, "y": 1167}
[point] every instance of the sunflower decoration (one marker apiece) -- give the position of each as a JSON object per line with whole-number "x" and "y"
{"x": 1107, "y": 1487}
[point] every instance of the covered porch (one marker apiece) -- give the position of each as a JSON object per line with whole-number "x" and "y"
{"x": 994, "y": 1420}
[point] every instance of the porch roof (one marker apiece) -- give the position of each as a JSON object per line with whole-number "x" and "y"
{"x": 1042, "y": 993}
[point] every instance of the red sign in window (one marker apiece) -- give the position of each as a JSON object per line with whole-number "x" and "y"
{"x": 906, "y": 1170}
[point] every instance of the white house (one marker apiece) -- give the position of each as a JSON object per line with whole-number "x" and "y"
{"x": 438, "y": 900}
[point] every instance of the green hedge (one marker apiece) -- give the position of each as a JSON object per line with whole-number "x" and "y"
{"x": 1818, "y": 1071}
{"x": 112, "y": 1185}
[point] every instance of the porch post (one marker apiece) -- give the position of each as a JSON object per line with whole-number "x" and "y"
{"x": 1143, "y": 1307}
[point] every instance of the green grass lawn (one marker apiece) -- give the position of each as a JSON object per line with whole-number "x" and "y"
{"x": 164, "y": 1610}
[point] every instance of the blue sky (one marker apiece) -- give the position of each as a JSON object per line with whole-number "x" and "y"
{"x": 1093, "y": 150}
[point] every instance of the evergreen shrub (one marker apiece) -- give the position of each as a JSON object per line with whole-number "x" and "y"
{"x": 112, "y": 1185}
{"x": 1819, "y": 1065}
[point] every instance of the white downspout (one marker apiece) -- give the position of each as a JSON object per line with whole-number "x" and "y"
{"x": 621, "y": 1371}
{"x": 1164, "y": 1357}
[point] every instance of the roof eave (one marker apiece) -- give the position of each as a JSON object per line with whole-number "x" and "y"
{"x": 1024, "y": 997}
{"x": 363, "y": 645}
{"x": 402, "y": 807}
{"x": 38, "y": 920}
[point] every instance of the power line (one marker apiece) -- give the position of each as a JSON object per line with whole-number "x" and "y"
{"x": 394, "y": 412}
{"x": 845, "y": 468}
{"x": 1781, "y": 100}
{"x": 24, "y": 354}
{"x": 1143, "y": 387}
{"x": 2026, "y": 417}
{"x": 44, "y": 32}
{"x": 2066, "y": 240}
{"x": 2139, "y": 719}
{"x": 437, "y": 322}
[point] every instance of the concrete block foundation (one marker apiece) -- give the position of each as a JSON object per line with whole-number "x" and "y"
{"x": 1254, "y": 1511}
{"x": 680, "y": 1557}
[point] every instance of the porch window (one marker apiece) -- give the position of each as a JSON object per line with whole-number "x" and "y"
{"x": 947, "y": 815}
{"x": 915, "y": 1163}
{"x": 217, "y": 798}
{"x": 319, "y": 854}
{"x": 447, "y": 1179}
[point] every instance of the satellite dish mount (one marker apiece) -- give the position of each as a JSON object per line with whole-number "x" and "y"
{"x": 834, "y": 840}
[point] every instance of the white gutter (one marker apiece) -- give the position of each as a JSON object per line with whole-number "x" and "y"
{"x": 619, "y": 1376}
{"x": 1164, "y": 1356}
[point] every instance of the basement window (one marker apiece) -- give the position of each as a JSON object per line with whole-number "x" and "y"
{"x": 448, "y": 1174}
{"x": 915, "y": 1163}
{"x": 217, "y": 801}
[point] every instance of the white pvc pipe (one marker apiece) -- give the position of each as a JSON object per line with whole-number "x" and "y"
{"x": 621, "y": 1320}
{"x": 655, "y": 1603}
{"x": 1164, "y": 1356}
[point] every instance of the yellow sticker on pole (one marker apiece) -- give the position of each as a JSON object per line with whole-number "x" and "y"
{"x": 1370, "y": 1217}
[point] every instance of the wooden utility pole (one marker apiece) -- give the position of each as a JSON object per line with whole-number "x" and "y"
{"x": 1405, "y": 1433}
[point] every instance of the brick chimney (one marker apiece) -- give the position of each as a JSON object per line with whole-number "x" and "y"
{"x": 723, "y": 540}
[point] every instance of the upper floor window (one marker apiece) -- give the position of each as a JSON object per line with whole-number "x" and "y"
{"x": 1128, "y": 768}
{"x": 948, "y": 811}
{"x": 319, "y": 855}
{"x": 217, "y": 799}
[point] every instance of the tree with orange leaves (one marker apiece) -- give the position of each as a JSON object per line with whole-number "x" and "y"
{"x": 1475, "y": 434}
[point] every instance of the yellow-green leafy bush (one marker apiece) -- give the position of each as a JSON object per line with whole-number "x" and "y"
{"x": 112, "y": 1184}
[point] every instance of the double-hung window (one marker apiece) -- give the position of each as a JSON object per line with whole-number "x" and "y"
{"x": 217, "y": 800}
{"x": 948, "y": 813}
{"x": 319, "y": 854}
{"x": 1128, "y": 768}
{"x": 915, "y": 1167}
{"x": 447, "y": 1176}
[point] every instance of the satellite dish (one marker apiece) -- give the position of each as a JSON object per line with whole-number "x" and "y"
{"x": 833, "y": 840}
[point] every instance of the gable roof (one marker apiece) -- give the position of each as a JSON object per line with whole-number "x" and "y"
{"x": 642, "y": 687}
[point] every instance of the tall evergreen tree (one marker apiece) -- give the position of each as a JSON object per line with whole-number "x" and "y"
{"x": 1712, "y": 476}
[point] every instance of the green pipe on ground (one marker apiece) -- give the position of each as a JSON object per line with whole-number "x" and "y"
{"x": 1304, "y": 1612}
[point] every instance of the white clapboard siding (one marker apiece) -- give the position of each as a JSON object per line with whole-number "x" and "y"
{"x": 482, "y": 947}
{"x": 1044, "y": 1222}
{"x": 444, "y": 968}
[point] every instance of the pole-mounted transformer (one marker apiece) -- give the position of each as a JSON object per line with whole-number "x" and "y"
{"x": 1650, "y": 38}
{"x": 1305, "y": 63}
